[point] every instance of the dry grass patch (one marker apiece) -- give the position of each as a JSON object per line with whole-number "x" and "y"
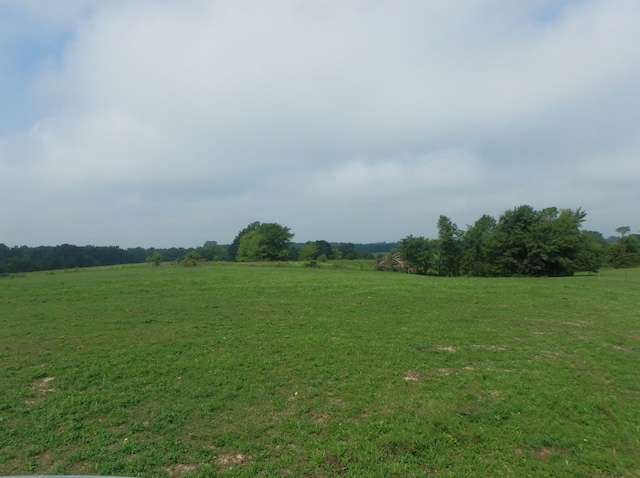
{"x": 228, "y": 460}
{"x": 180, "y": 469}
{"x": 489, "y": 347}
{"x": 42, "y": 385}
{"x": 410, "y": 376}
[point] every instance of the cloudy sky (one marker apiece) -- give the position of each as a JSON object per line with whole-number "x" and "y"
{"x": 169, "y": 123}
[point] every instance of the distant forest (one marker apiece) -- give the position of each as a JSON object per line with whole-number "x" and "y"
{"x": 521, "y": 242}
{"x": 67, "y": 256}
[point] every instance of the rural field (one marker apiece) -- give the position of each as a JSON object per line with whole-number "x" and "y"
{"x": 264, "y": 370}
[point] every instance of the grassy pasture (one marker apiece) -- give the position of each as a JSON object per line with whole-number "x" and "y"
{"x": 239, "y": 370}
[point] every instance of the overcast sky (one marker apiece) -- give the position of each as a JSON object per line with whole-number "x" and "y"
{"x": 161, "y": 123}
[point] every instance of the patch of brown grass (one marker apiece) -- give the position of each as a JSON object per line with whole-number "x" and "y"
{"x": 333, "y": 462}
{"x": 228, "y": 460}
{"x": 180, "y": 469}
{"x": 410, "y": 376}
{"x": 42, "y": 385}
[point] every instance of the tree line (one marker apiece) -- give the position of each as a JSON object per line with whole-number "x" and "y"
{"x": 256, "y": 242}
{"x": 521, "y": 242}
{"x": 68, "y": 256}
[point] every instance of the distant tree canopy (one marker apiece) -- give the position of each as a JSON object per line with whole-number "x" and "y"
{"x": 522, "y": 242}
{"x": 233, "y": 247}
{"x": 67, "y": 256}
{"x": 622, "y": 230}
{"x": 264, "y": 242}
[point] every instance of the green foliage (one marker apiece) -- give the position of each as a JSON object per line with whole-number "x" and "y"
{"x": 530, "y": 242}
{"x": 554, "y": 242}
{"x": 155, "y": 258}
{"x": 449, "y": 247}
{"x": 309, "y": 251}
{"x": 234, "y": 246}
{"x": 508, "y": 245}
{"x": 622, "y": 230}
{"x": 212, "y": 251}
{"x": 325, "y": 249}
{"x": 523, "y": 242}
{"x": 592, "y": 253}
{"x": 625, "y": 252}
{"x": 476, "y": 259}
{"x": 268, "y": 242}
{"x": 418, "y": 254}
{"x": 191, "y": 258}
{"x": 68, "y": 256}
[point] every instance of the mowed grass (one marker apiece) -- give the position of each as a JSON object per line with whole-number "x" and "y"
{"x": 236, "y": 370}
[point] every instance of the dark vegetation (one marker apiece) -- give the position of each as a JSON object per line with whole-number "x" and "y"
{"x": 522, "y": 242}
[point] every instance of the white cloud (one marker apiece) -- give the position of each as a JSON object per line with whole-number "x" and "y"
{"x": 183, "y": 118}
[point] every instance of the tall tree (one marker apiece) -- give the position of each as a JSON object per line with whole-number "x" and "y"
{"x": 212, "y": 251}
{"x": 554, "y": 242}
{"x": 476, "y": 260}
{"x": 233, "y": 247}
{"x": 508, "y": 246}
{"x": 449, "y": 247}
{"x": 268, "y": 242}
{"x": 417, "y": 253}
{"x": 324, "y": 248}
{"x": 593, "y": 251}
{"x": 622, "y": 230}
{"x": 625, "y": 252}
{"x": 308, "y": 252}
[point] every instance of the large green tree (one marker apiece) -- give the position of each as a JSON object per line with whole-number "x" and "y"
{"x": 232, "y": 250}
{"x": 449, "y": 247}
{"x": 268, "y": 242}
{"x": 308, "y": 252}
{"x": 508, "y": 245}
{"x": 476, "y": 259}
{"x": 554, "y": 242}
{"x": 593, "y": 252}
{"x": 625, "y": 252}
{"x": 212, "y": 251}
{"x": 417, "y": 253}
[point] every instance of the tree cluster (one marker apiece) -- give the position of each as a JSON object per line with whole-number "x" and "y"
{"x": 522, "y": 242}
{"x": 262, "y": 242}
{"x": 67, "y": 256}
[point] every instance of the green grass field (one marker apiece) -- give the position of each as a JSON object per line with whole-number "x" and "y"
{"x": 240, "y": 370}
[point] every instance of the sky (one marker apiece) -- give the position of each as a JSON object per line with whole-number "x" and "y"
{"x": 166, "y": 123}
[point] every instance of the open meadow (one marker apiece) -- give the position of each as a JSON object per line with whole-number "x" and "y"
{"x": 254, "y": 370}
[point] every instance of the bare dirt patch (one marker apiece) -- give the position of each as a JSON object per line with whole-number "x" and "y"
{"x": 446, "y": 371}
{"x": 320, "y": 419}
{"x": 445, "y": 348}
{"x": 333, "y": 462}
{"x": 228, "y": 460}
{"x": 545, "y": 452}
{"x": 180, "y": 469}
{"x": 80, "y": 468}
{"x": 42, "y": 385}
{"x": 577, "y": 323}
{"x": 550, "y": 354}
{"x": 410, "y": 376}
{"x": 489, "y": 347}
